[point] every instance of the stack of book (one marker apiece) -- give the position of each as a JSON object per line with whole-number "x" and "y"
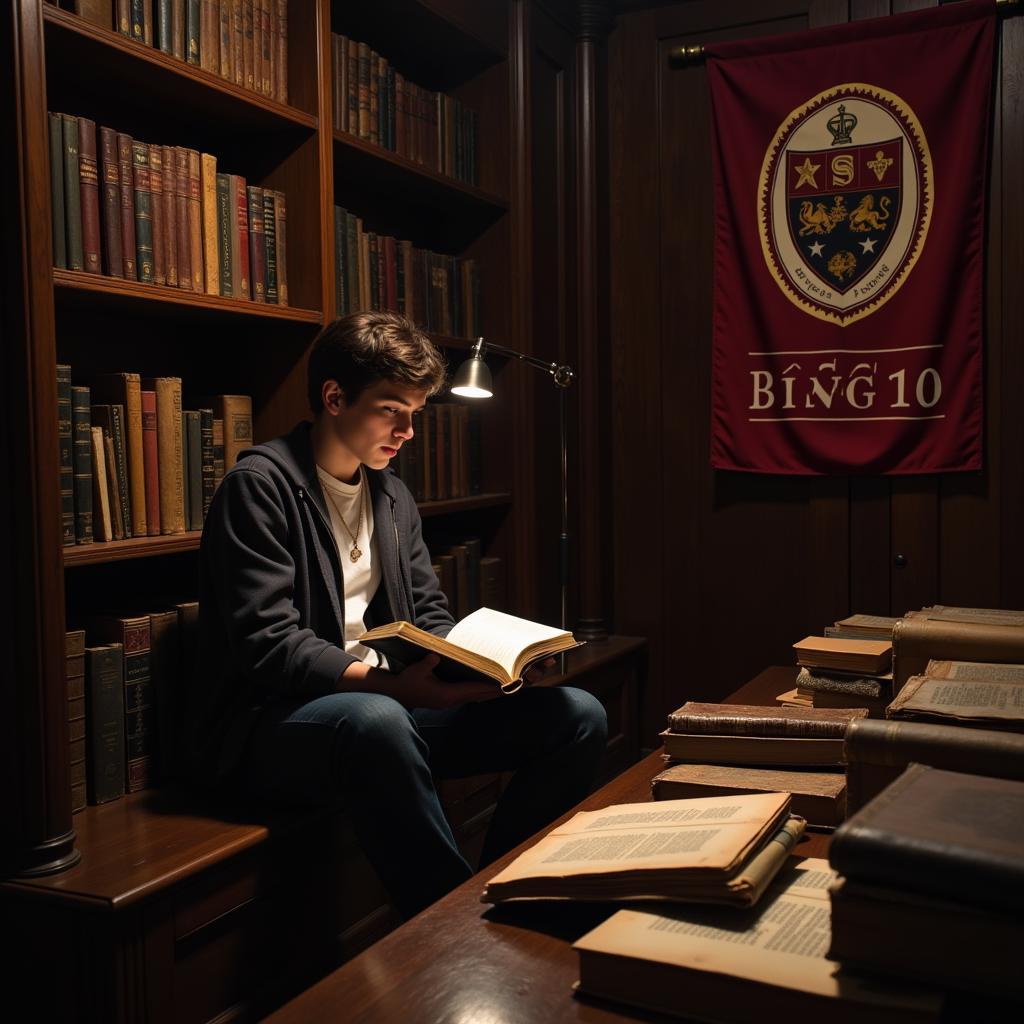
{"x": 975, "y": 694}
{"x": 467, "y": 579}
{"x": 374, "y": 102}
{"x": 720, "y": 748}
{"x": 375, "y": 271}
{"x": 243, "y": 41}
{"x": 137, "y": 464}
{"x": 842, "y": 672}
{"x": 932, "y": 882}
{"x": 162, "y": 215}
{"x": 716, "y": 850}
{"x": 724, "y": 964}
{"x": 443, "y": 458}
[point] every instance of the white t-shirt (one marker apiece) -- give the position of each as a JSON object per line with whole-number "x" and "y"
{"x": 362, "y": 577}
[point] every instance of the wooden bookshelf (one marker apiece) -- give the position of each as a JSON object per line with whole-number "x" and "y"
{"x": 430, "y": 509}
{"x": 134, "y": 547}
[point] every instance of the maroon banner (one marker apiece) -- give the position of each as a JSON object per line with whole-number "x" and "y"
{"x": 850, "y": 171}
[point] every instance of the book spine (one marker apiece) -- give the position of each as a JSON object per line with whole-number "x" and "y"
{"x": 206, "y": 458}
{"x": 225, "y": 217}
{"x": 272, "y": 18}
{"x": 104, "y": 693}
{"x": 237, "y": 43}
{"x": 138, "y": 20}
{"x": 110, "y": 488}
{"x": 195, "y": 470}
{"x": 74, "y": 677}
{"x": 352, "y": 86}
{"x": 156, "y": 207}
{"x": 340, "y": 284}
{"x": 164, "y": 30}
{"x": 72, "y": 193}
{"x": 113, "y": 257}
{"x": 724, "y": 724}
{"x": 165, "y": 672}
{"x": 281, "y": 241}
{"x": 352, "y": 260}
{"x": 127, "y": 206}
{"x": 121, "y": 457}
{"x": 138, "y": 702}
{"x": 218, "y": 451}
{"x": 185, "y": 477}
{"x": 67, "y": 465}
{"x": 60, "y": 249}
{"x": 143, "y": 213}
{"x": 247, "y": 45}
{"x": 270, "y": 238}
{"x": 363, "y": 90}
{"x": 339, "y": 105}
{"x": 193, "y": 18}
{"x": 257, "y": 245}
{"x": 209, "y": 37}
{"x": 101, "y": 520}
{"x": 257, "y": 48}
{"x": 195, "y": 220}
{"x": 150, "y": 459}
{"x": 178, "y": 28}
{"x": 182, "y": 217}
{"x": 242, "y": 239}
{"x": 225, "y": 67}
{"x": 169, "y": 450}
{"x": 124, "y": 18}
{"x": 81, "y": 425}
{"x": 170, "y": 205}
{"x": 266, "y": 48}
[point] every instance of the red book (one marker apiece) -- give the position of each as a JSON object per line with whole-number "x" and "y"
{"x": 181, "y": 217}
{"x": 170, "y": 216}
{"x": 156, "y": 208}
{"x": 150, "y": 463}
{"x": 113, "y": 259}
{"x": 124, "y": 163}
{"x": 257, "y": 245}
{"x": 90, "y": 193}
{"x": 242, "y": 247}
{"x": 390, "y": 274}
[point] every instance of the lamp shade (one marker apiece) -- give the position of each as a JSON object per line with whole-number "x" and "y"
{"x": 473, "y": 379}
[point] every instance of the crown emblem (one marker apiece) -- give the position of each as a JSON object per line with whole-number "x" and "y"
{"x": 841, "y": 126}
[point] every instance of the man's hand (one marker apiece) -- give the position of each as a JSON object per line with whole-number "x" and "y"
{"x": 417, "y": 687}
{"x": 538, "y": 672}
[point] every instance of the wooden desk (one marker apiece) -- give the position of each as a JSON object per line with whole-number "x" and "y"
{"x": 463, "y": 961}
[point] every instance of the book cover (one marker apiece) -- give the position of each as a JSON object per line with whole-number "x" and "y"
{"x": 257, "y": 245}
{"x": 151, "y": 462}
{"x": 170, "y": 205}
{"x": 81, "y": 444}
{"x": 67, "y": 462}
{"x": 206, "y": 459}
{"x": 125, "y": 166}
{"x": 195, "y": 221}
{"x": 72, "y": 193}
{"x": 211, "y": 229}
{"x": 124, "y": 389}
{"x": 270, "y": 238}
{"x": 226, "y": 218}
{"x": 143, "y": 213}
{"x": 104, "y": 699}
{"x": 170, "y": 448}
{"x": 156, "y": 206}
{"x": 113, "y": 255}
{"x": 182, "y": 216}
{"x": 89, "y": 184}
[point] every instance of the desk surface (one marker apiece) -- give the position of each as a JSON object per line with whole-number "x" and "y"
{"x": 463, "y": 961}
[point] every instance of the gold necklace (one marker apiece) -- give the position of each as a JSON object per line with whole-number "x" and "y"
{"x": 356, "y": 552}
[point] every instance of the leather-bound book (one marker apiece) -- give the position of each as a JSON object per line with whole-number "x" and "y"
{"x": 124, "y": 389}
{"x": 363, "y": 89}
{"x": 72, "y": 193}
{"x": 211, "y": 227}
{"x": 257, "y": 245}
{"x": 237, "y": 44}
{"x": 472, "y": 546}
{"x": 236, "y": 413}
{"x": 271, "y": 91}
{"x": 132, "y": 632}
{"x": 120, "y": 441}
{"x": 143, "y": 212}
{"x": 170, "y": 452}
{"x": 165, "y": 666}
{"x": 974, "y": 703}
{"x": 247, "y": 44}
{"x": 459, "y": 553}
{"x": 389, "y": 276}
{"x": 164, "y": 29}
{"x": 170, "y": 206}
{"x": 89, "y": 184}
{"x": 206, "y": 460}
{"x": 67, "y": 462}
{"x": 918, "y": 640}
{"x": 102, "y": 520}
{"x": 113, "y": 485}
{"x": 123, "y": 22}
{"x": 352, "y": 86}
{"x": 225, "y": 67}
{"x": 240, "y": 279}
{"x": 820, "y": 797}
{"x": 195, "y": 221}
{"x": 81, "y": 445}
{"x": 113, "y": 256}
{"x": 104, "y": 710}
{"x": 157, "y": 209}
{"x": 74, "y": 677}
{"x": 266, "y": 47}
{"x": 440, "y": 426}
{"x": 225, "y": 235}
{"x": 185, "y": 476}
{"x": 127, "y": 185}
{"x": 492, "y": 583}
{"x": 339, "y": 104}
{"x": 150, "y": 462}
{"x": 178, "y": 34}
{"x": 209, "y": 36}
{"x": 218, "y": 451}
{"x": 876, "y": 753}
{"x": 281, "y": 241}
{"x": 178, "y": 158}
{"x": 270, "y": 238}
{"x": 193, "y": 29}
{"x": 375, "y": 98}
{"x": 257, "y": 47}
{"x": 352, "y": 248}
{"x": 940, "y": 833}
{"x": 195, "y": 470}
{"x": 147, "y": 22}
{"x": 138, "y": 20}
{"x": 59, "y": 239}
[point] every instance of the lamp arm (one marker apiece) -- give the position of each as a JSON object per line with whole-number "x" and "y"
{"x": 562, "y": 375}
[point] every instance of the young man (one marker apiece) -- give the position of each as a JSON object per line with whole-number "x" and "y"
{"x": 310, "y": 539}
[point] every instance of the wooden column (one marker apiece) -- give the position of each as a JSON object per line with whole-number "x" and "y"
{"x": 36, "y": 836}
{"x": 593, "y": 451}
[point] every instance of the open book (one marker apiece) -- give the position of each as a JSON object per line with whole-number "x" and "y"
{"x": 711, "y": 850}
{"x": 485, "y": 643}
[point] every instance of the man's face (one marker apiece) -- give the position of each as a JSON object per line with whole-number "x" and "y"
{"x": 378, "y": 423}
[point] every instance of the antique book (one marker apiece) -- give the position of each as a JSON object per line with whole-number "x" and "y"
{"x": 239, "y": 211}
{"x": 820, "y": 797}
{"x": 67, "y": 463}
{"x": 156, "y": 207}
{"x": 89, "y": 184}
{"x": 971, "y": 702}
{"x": 218, "y": 451}
{"x": 845, "y": 682}
{"x": 918, "y": 641}
{"x": 870, "y": 657}
{"x": 113, "y": 256}
{"x": 72, "y": 193}
{"x": 170, "y": 204}
{"x": 869, "y": 627}
{"x": 104, "y": 701}
{"x": 983, "y": 671}
{"x": 170, "y": 457}
{"x": 281, "y": 243}
{"x": 270, "y": 240}
{"x": 711, "y": 850}
{"x": 236, "y": 413}
{"x": 143, "y": 213}
{"x": 103, "y": 526}
{"x": 982, "y": 616}
{"x": 58, "y": 231}
{"x": 150, "y": 461}
{"x": 186, "y": 478}
{"x": 257, "y": 245}
{"x": 709, "y": 963}
{"x": 937, "y": 940}
{"x": 938, "y": 832}
{"x": 124, "y": 389}
{"x": 226, "y": 217}
{"x": 81, "y": 454}
{"x": 125, "y": 160}
{"x": 209, "y": 36}
{"x": 114, "y": 485}
{"x": 211, "y": 233}
{"x": 828, "y": 700}
{"x": 195, "y": 220}
{"x": 194, "y": 511}
{"x": 877, "y": 753}
{"x": 74, "y": 677}
{"x": 797, "y": 751}
{"x": 485, "y": 643}
{"x": 165, "y": 669}
{"x": 753, "y": 720}
{"x": 206, "y": 458}
{"x": 183, "y": 241}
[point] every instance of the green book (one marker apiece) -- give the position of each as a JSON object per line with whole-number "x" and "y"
{"x": 225, "y": 236}
{"x": 270, "y": 237}
{"x": 72, "y": 194}
{"x": 67, "y": 465}
{"x": 193, "y": 441}
{"x": 143, "y": 212}
{"x": 81, "y": 443}
{"x": 104, "y": 713}
{"x": 60, "y": 249}
{"x": 192, "y": 33}
{"x": 340, "y": 279}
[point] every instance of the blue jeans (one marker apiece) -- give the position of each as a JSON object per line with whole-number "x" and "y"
{"x": 380, "y": 757}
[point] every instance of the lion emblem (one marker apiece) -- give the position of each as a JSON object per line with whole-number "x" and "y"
{"x": 815, "y": 219}
{"x": 866, "y": 218}
{"x": 842, "y": 264}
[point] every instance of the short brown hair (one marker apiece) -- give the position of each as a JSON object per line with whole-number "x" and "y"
{"x": 359, "y": 349}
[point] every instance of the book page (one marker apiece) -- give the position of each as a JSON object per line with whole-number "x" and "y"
{"x": 706, "y": 833}
{"x": 991, "y": 672}
{"x": 499, "y": 637}
{"x": 782, "y": 941}
{"x": 968, "y": 698}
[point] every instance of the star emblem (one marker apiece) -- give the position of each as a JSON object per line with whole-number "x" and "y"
{"x": 868, "y": 245}
{"x": 806, "y": 172}
{"x": 816, "y": 249}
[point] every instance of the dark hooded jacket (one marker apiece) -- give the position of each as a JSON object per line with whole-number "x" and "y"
{"x": 271, "y": 596}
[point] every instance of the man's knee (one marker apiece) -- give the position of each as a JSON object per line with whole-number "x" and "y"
{"x": 376, "y": 726}
{"x": 583, "y": 715}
